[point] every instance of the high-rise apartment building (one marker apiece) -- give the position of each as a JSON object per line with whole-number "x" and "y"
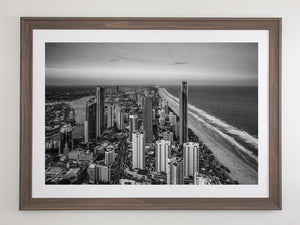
{"x": 120, "y": 118}
{"x": 86, "y": 123}
{"x": 66, "y": 140}
{"x": 109, "y": 158}
{"x": 175, "y": 171}
{"x": 138, "y": 150}
{"x": 99, "y": 111}
{"x": 148, "y": 119}
{"x": 183, "y": 111}
{"x": 162, "y": 153}
{"x": 92, "y": 117}
{"x": 165, "y": 106}
{"x": 110, "y": 116}
{"x": 190, "y": 158}
{"x": 133, "y": 125}
{"x": 90, "y": 120}
{"x": 176, "y": 129}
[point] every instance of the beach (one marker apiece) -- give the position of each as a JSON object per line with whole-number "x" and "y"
{"x": 240, "y": 161}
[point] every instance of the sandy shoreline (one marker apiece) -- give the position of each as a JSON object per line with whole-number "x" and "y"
{"x": 240, "y": 170}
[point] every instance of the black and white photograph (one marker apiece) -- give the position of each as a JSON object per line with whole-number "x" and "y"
{"x": 151, "y": 113}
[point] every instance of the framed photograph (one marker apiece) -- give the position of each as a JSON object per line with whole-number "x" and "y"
{"x": 150, "y": 113}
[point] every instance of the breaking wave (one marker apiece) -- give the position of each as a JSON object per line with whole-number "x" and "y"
{"x": 228, "y": 132}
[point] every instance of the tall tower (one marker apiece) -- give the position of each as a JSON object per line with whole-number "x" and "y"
{"x": 91, "y": 111}
{"x": 99, "y": 111}
{"x": 183, "y": 110}
{"x": 162, "y": 153}
{"x": 175, "y": 171}
{"x": 148, "y": 126}
{"x": 120, "y": 117}
{"x": 110, "y": 116}
{"x": 138, "y": 150}
{"x": 165, "y": 106}
{"x": 86, "y": 123}
{"x": 190, "y": 158}
{"x": 133, "y": 125}
{"x": 66, "y": 140}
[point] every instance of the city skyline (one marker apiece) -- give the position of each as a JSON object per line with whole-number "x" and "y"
{"x": 151, "y": 63}
{"x": 135, "y": 123}
{"x": 151, "y": 113}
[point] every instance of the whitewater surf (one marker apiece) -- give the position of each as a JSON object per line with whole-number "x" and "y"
{"x": 234, "y": 148}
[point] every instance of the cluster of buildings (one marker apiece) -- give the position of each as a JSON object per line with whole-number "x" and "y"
{"x": 136, "y": 139}
{"x": 56, "y": 115}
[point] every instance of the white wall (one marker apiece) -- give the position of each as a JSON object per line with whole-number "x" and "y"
{"x": 11, "y": 10}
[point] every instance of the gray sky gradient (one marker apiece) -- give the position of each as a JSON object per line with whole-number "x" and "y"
{"x": 151, "y": 63}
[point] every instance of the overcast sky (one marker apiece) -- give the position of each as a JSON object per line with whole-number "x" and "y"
{"x": 151, "y": 63}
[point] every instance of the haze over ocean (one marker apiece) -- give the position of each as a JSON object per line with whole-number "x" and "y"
{"x": 235, "y": 105}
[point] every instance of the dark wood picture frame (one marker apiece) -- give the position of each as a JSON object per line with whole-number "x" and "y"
{"x": 273, "y": 25}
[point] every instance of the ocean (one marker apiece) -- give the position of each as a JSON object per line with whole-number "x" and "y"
{"x": 230, "y": 112}
{"x": 237, "y": 106}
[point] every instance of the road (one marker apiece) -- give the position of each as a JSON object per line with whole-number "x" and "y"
{"x": 121, "y": 159}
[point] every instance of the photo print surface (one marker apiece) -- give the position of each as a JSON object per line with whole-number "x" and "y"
{"x": 151, "y": 113}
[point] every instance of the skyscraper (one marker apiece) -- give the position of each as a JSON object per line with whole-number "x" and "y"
{"x": 66, "y": 140}
{"x": 110, "y": 116}
{"x": 141, "y": 100}
{"x": 120, "y": 117}
{"x": 133, "y": 125}
{"x": 183, "y": 110}
{"x": 86, "y": 124}
{"x": 148, "y": 119}
{"x": 175, "y": 171}
{"x": 91, "y": 119}
{"x": 138, "y": 150}
{"x": 165, "y": 105}
{"x": 99, "y": 111}
{"x": 109, "y": 156}
{"x": 162, "y": 153}
{"x": 176, "y": 128}
{"x": 190, "y": 158}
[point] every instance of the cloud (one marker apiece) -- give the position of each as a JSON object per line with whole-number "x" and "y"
{"x": 179, "y": 63}
{"x": 167, "y": 63}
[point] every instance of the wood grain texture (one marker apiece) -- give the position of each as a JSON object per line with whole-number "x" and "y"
{"x": 273, "y": 25}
